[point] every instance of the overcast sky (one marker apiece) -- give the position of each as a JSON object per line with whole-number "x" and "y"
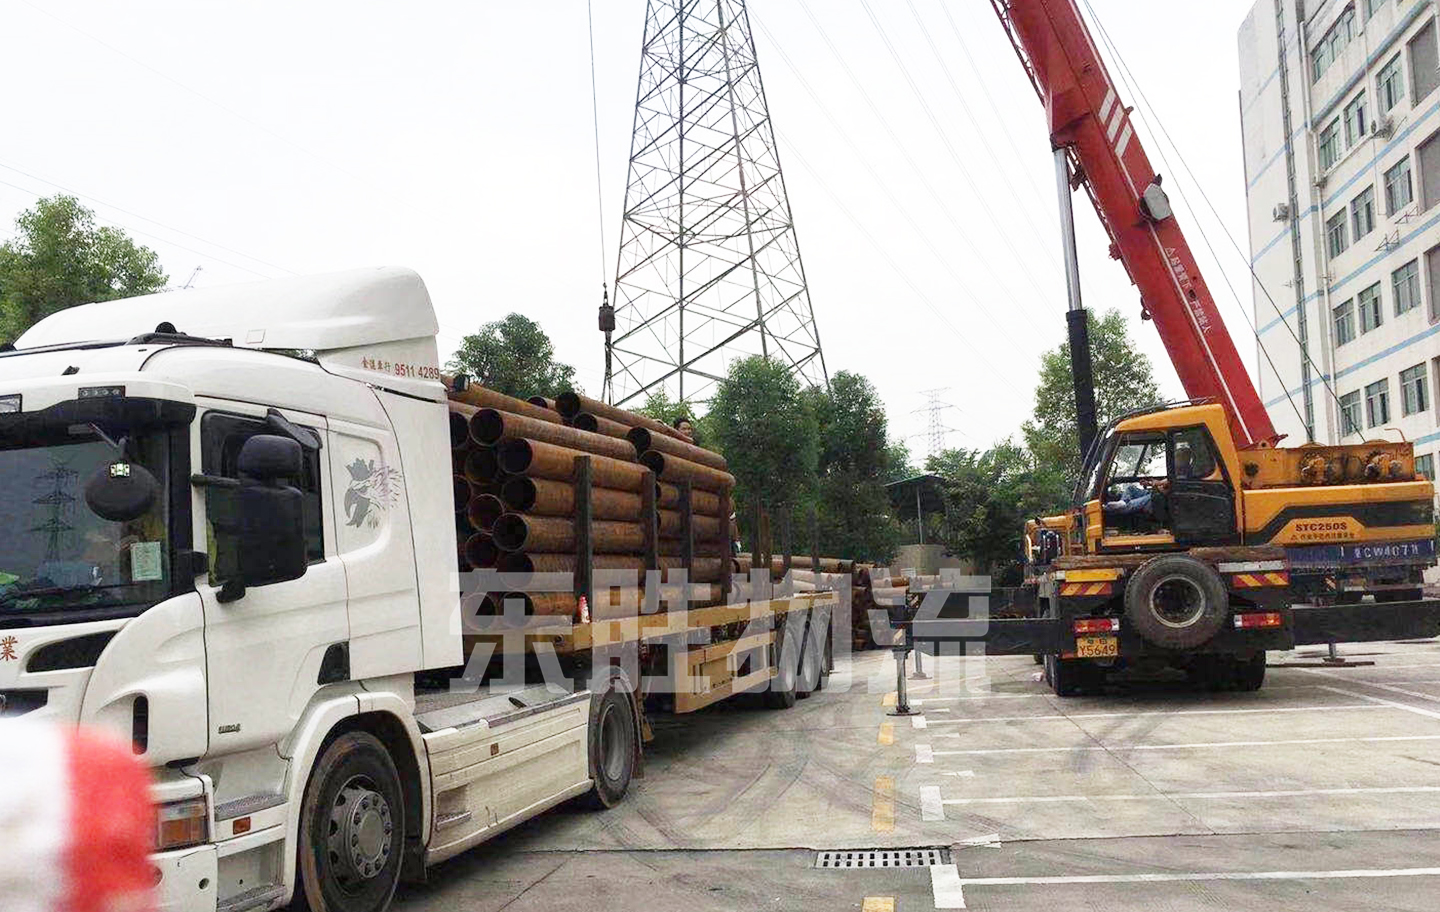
{"x": 258, "y": 139}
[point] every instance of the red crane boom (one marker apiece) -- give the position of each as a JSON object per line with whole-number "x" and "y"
{"x": 1087, "y": 118}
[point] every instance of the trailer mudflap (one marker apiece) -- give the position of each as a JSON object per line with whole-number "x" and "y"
{"x": 998, "y": 636}
{"x": 1366, "y": 622}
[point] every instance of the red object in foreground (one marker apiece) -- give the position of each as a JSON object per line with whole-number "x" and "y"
{"x": 76, "y": 822}
{"x": 1087, "y": 116}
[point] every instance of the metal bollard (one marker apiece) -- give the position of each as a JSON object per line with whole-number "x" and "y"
{"x": 902, "y": 699}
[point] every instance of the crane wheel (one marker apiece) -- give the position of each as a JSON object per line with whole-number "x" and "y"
{"x": 1176, "y": 602}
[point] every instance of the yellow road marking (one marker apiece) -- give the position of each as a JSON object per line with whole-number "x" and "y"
{"x": 882, "y": 814}
{"x": 887, "y": 733}
{"x": 889, "y": 699}
{"x": 878, "y": 904}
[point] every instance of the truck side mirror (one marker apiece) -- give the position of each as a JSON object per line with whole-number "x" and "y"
{"x": 272, "y": 527}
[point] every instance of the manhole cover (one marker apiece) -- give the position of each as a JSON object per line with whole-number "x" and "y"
{"x": 882, "y": 858}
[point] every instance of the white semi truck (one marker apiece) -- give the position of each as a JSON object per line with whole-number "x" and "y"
{"x": 229, "y": 537}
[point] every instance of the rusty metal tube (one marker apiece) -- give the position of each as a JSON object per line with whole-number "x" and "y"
{"x": 462, "y": 493}
{"x": 518, "y": 532}
{"x": 460, "y": 424}
{"x": 481, "y": 398}
{"x": 705, "y": 569}
{"x": 542, "y": 402}
{"x": 547, "y": 497}
{"x": 553, "y": 604}
{"x": 538, "y": 459}
{"x": 706, "y": 528}
{"x": 482, "y": 465}
{"x": 480, "y": 551}
{"x": 644, "y": 439}
{"x": 597, "y": 425}
{"x": 483, "y": 510}
{"x": 569, "y": 404}
{"x": 704, "y": 502}
{"x": 488, "y": 426}
{"x": 673, "y": 469}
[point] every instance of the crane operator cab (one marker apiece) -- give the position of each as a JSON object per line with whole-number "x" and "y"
{"x": 1160, "y": 488}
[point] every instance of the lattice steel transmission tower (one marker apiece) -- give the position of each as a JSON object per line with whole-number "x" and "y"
{"x": 709, "y": 265}
{"x": 935, "y": 428}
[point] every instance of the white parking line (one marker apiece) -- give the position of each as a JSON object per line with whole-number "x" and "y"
{"x": 1199, "y": 796}
{"x": 1196, "y": 745}
{"x": 918, "y": 721}
{"x": 1387, "y": 687}
{"x": 992, "y": 696}
{"x": 931, "y": 808}
{"x": 1160, "y": 712}
{"x": 948, "y": 886}
{"x": 924, "y": 754}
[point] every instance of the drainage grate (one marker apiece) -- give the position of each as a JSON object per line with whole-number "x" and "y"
{"x": 882, "y": 858}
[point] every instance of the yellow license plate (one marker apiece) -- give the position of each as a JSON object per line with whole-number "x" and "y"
{"x": 1097, "y": 647}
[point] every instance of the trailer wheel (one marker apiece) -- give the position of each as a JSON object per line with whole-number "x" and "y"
{"x": 1400, "y": 595}
{"x": 1072, "y": 677}
{"x": 352, "y": 828}
{"x": 613, "y": 746}
{"x": 811, "y": 662}
{"x": 780, "y": 694}
{"x": 827, "y": 653}
{"x": 1176, "y": 602}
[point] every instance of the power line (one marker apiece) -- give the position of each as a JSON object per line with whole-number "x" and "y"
{"x": 165, "y": 240}
{"x": 894, "y": 200}
{"x": 146, "y": 218}
{"x": 595, "y": 115}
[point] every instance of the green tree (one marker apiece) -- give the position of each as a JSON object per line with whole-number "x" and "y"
{"x": 59, "y": 258}
{"x": 514, "y": 356}
{"x": 1124, "y": 381}
{"x": 767, "y": 432}
{"x": 661, "y": 407}
{"x": 989, "y": 494}
{"x": 898, "y": 462}
{"x": 853, "y": 464}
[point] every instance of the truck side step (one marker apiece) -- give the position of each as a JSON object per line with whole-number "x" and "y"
{"x": 254, "y": 898}
{"x": 445, "y": 821}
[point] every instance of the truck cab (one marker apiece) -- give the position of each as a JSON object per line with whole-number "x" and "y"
{"x": 231, "y": 544}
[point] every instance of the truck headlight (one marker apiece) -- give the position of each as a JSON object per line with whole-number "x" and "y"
{"x": 9, "y": 405}
{"x": 181, "y": 824}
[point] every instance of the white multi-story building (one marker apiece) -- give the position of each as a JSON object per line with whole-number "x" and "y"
{"x": 1341, "y": 131}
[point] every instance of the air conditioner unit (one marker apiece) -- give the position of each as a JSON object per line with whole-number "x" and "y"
{"x": 1281, "y": 213}
{"x": 1320, "y": 182}
{"x": 1385, "y": 127}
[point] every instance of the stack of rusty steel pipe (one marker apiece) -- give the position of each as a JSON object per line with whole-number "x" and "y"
{"x": 871, "y": 597}
{"x": 517, "y": 465}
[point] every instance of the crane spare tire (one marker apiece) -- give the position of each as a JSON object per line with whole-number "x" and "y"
{"x": 1176, "y": 602}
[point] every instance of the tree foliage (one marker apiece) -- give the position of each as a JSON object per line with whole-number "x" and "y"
{"x": 855, "y": 517}
{"x": 514, "y": 356}
{"x": 1124, "y": 381}
{"x": 989, "y": 494}
{"x": 59, "y": 258}
{"x": 661, "y": 407}
{"x": 767, "y": 432}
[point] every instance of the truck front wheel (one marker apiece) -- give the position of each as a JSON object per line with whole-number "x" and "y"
{"x": 352, "y": 829}
{"x": 614, "y": 747}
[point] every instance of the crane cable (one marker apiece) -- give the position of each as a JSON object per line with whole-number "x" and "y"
{"x": 1133, "y": 85}
{"x": 595, "y": 118}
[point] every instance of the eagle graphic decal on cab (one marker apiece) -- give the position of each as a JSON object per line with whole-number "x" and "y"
{"x": 372, "y": 491}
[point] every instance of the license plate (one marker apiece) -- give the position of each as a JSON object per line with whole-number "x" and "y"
{"x": 1097, "y": 647}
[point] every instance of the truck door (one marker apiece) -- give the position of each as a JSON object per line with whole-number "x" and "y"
{"x": 264, "y": 651}
{"x": 1202, "y": 500}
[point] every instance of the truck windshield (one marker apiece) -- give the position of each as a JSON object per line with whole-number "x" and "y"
{"x": 56, "y": 556}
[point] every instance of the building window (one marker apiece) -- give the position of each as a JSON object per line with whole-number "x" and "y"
{"x": 1368, "y": 303}
{"x": 1377, "y": 403}
{"x": 1425, "y": 466}
{"x": 1350, "y": 413}
{"x": 1344, "y": 317}
{"x": 1370, "y": 6}
{"x": 1355, "y": 120}
{"x": 1405, "y": 282}
{"x": 1362, "y": 213}
{"x": 1399, "y": 192}
{"x": 1390, "y": 85}
{"x": 1332, "y": 45}
{"x": 1330, "y": 145}
{"x": 1335, "y": 234}
{"x": 1414, "y": 390}
{"x": 1424, "y": 76}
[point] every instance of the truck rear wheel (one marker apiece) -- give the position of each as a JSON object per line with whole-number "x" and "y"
{"x": 780, "y": 694}
{"x": 1176, "y": 602}
{"x": 1249, "y": 673}
{"x": 1072, "y": 677}
{"x": 1400, "y": 595}
{"x": 613, "y": 746}
{"x": 812, "y": 659}
{"x": 352, "y": 828}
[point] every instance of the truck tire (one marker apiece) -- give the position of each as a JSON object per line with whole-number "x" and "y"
{"x": 613, "y": 745}
{"x": 1176, "y": 602}
{"x": 811, "y": 661}
{"x": 1249, "y": 674}
{"x": 352, "y": 828}
{"x": 1400, "y": 595}
{"x": 780, "y": 693}
{"x": 827, "y": 654}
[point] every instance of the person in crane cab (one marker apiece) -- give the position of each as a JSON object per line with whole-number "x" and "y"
{"x": 1185, "y": 461}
